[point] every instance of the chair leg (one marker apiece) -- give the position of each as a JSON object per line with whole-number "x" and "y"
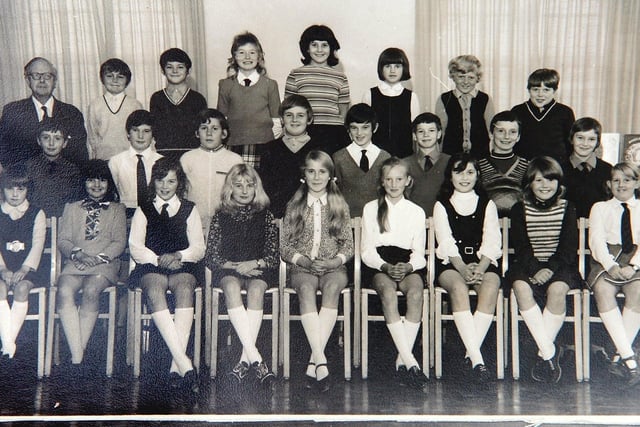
{"x": 286, "y": 335}
{"x": 137, "y": 335}
{"x": 130, "y": 326}
{"x": 275, "y": 318}
{"x": 515, "y": 341}
{"x": 42, "y": 327}
{"x": 586, "y": 338}
{"x": 425, "y": 333}
{"x": 215, "y": 307}
{"x": 207, "y": 325}
{"x": 50, "y": 331}
{"x": 111, "y": 330}
{"x": 347, "y": 334}
{"x": 357, "y": 328}
{"x": 577, "y": 335}
{"x": 438, "y": 335}
{"x": 197, "y": 330}
{"x": 500, "y": 337}
{"x": 364, "y": 331}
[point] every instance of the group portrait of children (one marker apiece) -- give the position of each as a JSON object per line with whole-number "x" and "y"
{"x": 152, "y": 198}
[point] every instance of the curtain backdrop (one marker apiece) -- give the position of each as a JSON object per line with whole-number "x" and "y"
{"x": 78, "y": 35}
{"x": 594, "y": 45}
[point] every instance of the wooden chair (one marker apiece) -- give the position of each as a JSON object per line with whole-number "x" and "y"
{"x": 344, "y": 317}
{"x": 440, "y": 316}
{"x": 40, "y": 314}
{"x": 426, "y": 310}
{"x": 575, "y": 299}
{"x": 213, "y": 317}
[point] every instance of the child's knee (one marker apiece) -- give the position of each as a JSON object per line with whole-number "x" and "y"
{"x": 21, "y": 290}
{"x": 557, "y": 292}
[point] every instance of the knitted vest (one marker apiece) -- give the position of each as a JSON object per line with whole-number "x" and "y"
{"x": 452, "y": 141}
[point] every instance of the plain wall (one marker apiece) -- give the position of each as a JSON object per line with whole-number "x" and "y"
{"x": 364, "y": 28}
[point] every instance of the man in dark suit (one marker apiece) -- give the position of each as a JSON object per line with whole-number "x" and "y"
{"x": 19, "y": 122}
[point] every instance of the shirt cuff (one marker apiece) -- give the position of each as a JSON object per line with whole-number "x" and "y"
{"x": 343, "y": 258}
{"x": 295, "y": 258}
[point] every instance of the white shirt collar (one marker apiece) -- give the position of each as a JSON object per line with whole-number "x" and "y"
{"x": 473, "y": 93}
{"x": 391, "y": 90}
{"x": 15, "y": 212}
{"x": 355, "y": 150}
{"x": 114, "y": 99}
{"x": 630, "y": 202}
{"x": 48, "y": 104}
{"x": 145, "y": 154}
{"x": 311, "y": 199}
{"x": 254, "y": 77}
{"x": 174, "y": 203}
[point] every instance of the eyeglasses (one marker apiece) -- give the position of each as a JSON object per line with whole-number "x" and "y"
{"x": 41, "y": 76}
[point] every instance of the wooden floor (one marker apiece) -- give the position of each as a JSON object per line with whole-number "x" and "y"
{"x": 379, "y": 400}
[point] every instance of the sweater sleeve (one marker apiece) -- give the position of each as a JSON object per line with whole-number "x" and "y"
{"x": 118, "y": 232}
{"x": 213, "y": 256}
{"x": 223, "y": 97}
{"x": 274, "y": 99}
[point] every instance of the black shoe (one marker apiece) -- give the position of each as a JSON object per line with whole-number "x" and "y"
{"x": 548, "y": 371}
{"x": 190, "y": 381}
{"x": 401, "y": 375}
{"x": 240, "y": 371}
{"x": 174, "y": 380}
{"x": 616, "y": 368}
{"x": 416, "y": 379}
{"x": 309, "y": 381}
{"x": 324, "y": 385}
{"x": 263, "y": 375}
{"x": 481, "y": 374}
{"x": 632, "y": 375}
{"x": 467, "y": 366}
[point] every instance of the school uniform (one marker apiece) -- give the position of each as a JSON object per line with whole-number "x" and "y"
{"x": 426, "y": 182}
{"x": 123, "y": 167}
{"x": 55, "y": 183}
{"x": 502, "y": 180}
{"x": 586, "y": 184}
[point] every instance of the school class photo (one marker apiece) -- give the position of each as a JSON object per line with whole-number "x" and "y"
{"x": 336, "y": 211}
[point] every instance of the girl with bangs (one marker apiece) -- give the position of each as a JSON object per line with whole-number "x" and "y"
{"x": 469, "y": 244}
{"x": 92, "y": 236}
{"x": 242, "y": 252}
{"x": 23, "y": 229}
{"x": 317, "y": 241}
{"x": 544, "y": 265}
{"x": 393, "y": 250}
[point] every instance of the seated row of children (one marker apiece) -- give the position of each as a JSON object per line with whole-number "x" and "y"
{"x": 250, "y": 100}
{"x": 316, "y": 240}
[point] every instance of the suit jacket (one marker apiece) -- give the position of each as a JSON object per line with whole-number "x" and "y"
{"x": 19, "y": 128}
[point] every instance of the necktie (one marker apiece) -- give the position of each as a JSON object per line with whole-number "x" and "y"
{"x": 428, "y": 164}
{"x": 163, "y": 213}
{"x": 585, "y": 167}
{"x": 46, "y": 114}
{"x": 141, "y": 180}
{"x": 247, "y": 82}
{"x": 364, "y": 161}
{"x": 625, "y": 230}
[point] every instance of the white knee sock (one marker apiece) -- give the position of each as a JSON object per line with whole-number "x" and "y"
{"x": 87, "y": 323}
{"x": 612, "y": 321}
{"x": 483, "y": 322}
{"x": 241, "y": 323}
{"x": 401, "y": 342}
{"x": 70, "y": 320}
{"x": 553, "y": 323}
{"x": 255, "y": 321}
{"x": 535, "y": 322}
{"x": 410, "y": 332}
{"x": 631, "y": 321}
{"x": 8, "y": 344}
{"x": 167, "y": 329}
{"x": 18, "y": 314}
{"x": 467, "y": 330}
{"x": 183, "y": 319}
{"x": 327, "y": 318}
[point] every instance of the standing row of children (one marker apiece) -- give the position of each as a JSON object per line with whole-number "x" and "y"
{"x": 250, "y": 100}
